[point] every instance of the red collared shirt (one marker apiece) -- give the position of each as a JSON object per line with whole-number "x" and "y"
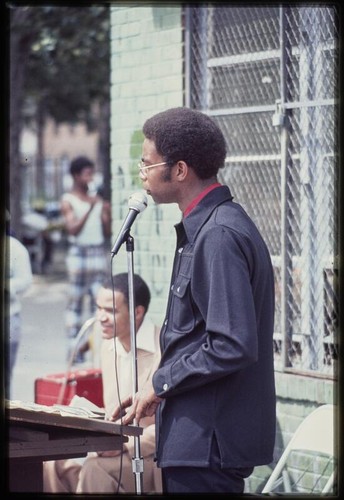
{"x": 198, "y": 198}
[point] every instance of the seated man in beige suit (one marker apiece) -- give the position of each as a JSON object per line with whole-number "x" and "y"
{"x": 108, "y": 472}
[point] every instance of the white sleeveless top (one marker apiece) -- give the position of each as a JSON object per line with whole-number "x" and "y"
{"x": 92, "y": 232}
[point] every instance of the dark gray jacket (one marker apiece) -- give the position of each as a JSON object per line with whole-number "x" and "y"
{"x": 216, "y": 373}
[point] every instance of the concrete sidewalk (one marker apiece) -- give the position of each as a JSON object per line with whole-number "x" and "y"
{"x": 43, "y": 348}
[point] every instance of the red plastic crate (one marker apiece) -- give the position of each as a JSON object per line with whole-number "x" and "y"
{"x": 86, "y": 383}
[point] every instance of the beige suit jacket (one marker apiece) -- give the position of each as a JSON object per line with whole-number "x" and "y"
{"x": 117, "y": 363}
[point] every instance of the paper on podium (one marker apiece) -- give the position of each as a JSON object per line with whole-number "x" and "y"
{"x": 28, "y": 413}
{"x": 81, "y": 407}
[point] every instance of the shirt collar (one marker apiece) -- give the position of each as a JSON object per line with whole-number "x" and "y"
{"x": 145, "y": 338}
{"x": 191, "y": 225}
{"x": 198, "y": 198}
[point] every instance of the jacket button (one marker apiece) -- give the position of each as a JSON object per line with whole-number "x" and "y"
{"x": 165, "y": 387}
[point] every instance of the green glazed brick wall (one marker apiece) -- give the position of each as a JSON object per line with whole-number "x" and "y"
{"x": 146, "y": 77}
{"x": 297, "y": 396}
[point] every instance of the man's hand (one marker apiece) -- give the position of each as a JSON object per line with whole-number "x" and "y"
{"x": 93, "y": 200}
{"x": 144, "y": 405}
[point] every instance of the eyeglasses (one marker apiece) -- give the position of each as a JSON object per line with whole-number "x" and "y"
{"x": 143, "y": 167}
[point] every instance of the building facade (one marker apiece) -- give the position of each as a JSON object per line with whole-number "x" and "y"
{"x": 269, "y": 77}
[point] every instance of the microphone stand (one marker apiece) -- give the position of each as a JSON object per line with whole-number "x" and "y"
{"x": 137, "y": 460}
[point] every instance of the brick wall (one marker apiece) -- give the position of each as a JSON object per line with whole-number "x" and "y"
{"x": 146, "y": 77}
{"x": 297, "y": 397}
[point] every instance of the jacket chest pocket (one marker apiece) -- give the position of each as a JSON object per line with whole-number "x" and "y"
{"x": 182, "y": 314}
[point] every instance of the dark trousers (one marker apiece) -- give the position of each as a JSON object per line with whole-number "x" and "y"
{"x": 211, "y": 479}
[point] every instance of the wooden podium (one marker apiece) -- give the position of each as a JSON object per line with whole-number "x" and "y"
{"x": 38, "y": 436}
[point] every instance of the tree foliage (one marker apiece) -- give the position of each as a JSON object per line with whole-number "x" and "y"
{"x": 59, "y": 68}
{"x": 68, "y": 64}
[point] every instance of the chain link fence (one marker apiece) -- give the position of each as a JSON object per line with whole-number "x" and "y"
{"x": 269, "y": 77}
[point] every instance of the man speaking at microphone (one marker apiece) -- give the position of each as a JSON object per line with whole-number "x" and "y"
{"x": 213, "y": 391}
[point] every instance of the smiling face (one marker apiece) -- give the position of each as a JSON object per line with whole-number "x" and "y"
{"x": 106, "y": 316}
{"x": 120, "y": 316}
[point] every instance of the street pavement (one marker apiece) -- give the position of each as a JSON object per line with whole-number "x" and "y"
{"x": 43, "y": 347}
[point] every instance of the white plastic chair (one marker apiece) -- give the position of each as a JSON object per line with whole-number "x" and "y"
{"x": 313, "y": 438}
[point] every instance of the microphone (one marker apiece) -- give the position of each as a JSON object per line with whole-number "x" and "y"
{"x": 137, "y": 203}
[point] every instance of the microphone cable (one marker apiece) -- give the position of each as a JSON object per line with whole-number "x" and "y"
{"x": 116, "y": 374}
